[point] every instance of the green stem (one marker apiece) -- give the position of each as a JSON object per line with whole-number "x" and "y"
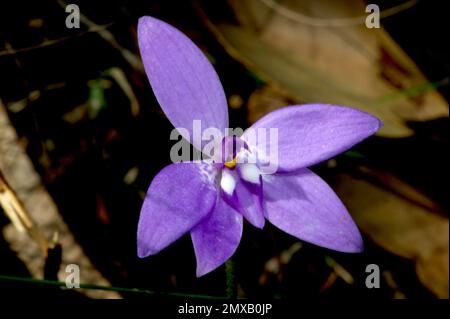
{"x": 108, "y": 288}
{"x": 231, "y": 290}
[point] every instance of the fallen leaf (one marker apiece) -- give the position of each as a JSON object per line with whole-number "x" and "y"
{"x": 401, "y": 227}
{"x": 348, "y": 65}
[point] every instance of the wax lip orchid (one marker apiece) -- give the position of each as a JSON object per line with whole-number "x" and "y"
{"x": 210, "y": 200}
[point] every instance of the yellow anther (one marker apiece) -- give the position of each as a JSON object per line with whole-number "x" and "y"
{"x": 231, "y": 164}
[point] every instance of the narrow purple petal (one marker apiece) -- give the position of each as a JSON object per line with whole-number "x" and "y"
{"x": 231, "y": 146}
{"x": 304, "y": 206}
{"x": 246, "y": 198}
{"x": 311, "y": 133}
{"x": 177, "y": 199}
{"x": 216, "y": 238}
{"x": 183, "y": 80}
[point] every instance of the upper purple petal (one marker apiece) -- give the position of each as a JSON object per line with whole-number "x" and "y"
{"x": 311, "y": 133}
{"x": 217, "y": 237}
{"x": 304, "y": 206}
{"x": 183, "y": 80}
{"x": 178, "y": 198}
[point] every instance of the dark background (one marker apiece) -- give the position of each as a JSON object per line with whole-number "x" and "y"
{"x": 85, "y": 167}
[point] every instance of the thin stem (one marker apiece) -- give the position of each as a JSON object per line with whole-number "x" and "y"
{"x": 412, "y": 91}
{"x": 107, "y": 288}
{"x": 231, "y": 290}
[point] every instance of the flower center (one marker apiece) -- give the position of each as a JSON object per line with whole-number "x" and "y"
{"x": 228, "y": 182}
{"x": 231, "y": 164}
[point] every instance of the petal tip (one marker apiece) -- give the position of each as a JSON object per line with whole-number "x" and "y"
{"x": 355, "y": 246}
{"x": 142, "y": 23}
{"x": 377, "y": 123}
{"x": 142, "y": 19}
{"x": 259, "y": 223}
{"x": 147, "y": 21}
{"x": 204, "y": 269}
{"x": 148, "y": 26}
{"x": 357, "y": 249}
{"x": 142, "y": 253}
{"x": 201, "y": 272}
{"x": 144, "y": 248}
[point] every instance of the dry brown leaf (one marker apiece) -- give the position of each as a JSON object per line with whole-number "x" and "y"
{"x": 401, "y": 227}
{"x": 353, "y": 65}
{"x": 265, "y": 100}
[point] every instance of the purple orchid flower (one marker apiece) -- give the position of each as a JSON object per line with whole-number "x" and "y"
{"x": 210, "y": 200}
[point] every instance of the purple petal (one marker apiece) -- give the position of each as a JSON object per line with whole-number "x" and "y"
{"x": 177, "y": 199}
{"x": 304, "y": 206}
{"x": 311, "y": 133}
{"x": 182, "y": 78}
{"x": 246, "y": 198}
{"x": 216, "y": 238}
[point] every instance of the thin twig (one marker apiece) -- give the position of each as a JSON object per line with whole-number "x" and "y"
{"x": 18, "y": 215}
{"x": 336, "y": 22}
{"x": 46, "y": 43}
{"x": 108, "y": 288}
{"x": 129, "y": 56}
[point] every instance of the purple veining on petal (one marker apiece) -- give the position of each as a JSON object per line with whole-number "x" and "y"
{"x": 304, "y": 206}
{"x": 311, "y": 133}
{"x": 217, "y": 237}
{"x": 177, "y": 199}
{"x": 183, "y": 80}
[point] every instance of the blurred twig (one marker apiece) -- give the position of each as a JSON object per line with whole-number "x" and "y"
{"x": 97, "y": 28}
{"x": 390, "y": 281}
{"x": 129, "y": 56}
{"x": 20, "y": 173}
{"x": 336, "y": 22}
{"x": 18, "y": 215}
{"x": 399, "y": 187}
{"x": 21, "y": 104}
{"x": 118, "y": 75}
{"x": 339, "y": 270}
{"x": 412, "y": 91}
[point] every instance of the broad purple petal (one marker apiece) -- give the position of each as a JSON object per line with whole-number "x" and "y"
{"x": 216, "y": 238}
{"x": 183, "y": 80}
{"x": 178, "y": 198}
{"x": 304, "y": 206}
{"x": 311, "y": 133}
